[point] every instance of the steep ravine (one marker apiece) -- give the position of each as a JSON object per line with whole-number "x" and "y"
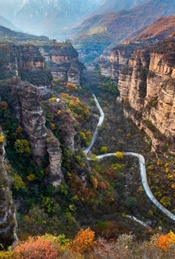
{"x": 141, "y": 160}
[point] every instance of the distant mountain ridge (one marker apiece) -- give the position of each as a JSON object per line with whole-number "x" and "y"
{"x": 6, "y": 33}
{"x": 101, "y": 31}
{"x": 51, "y": 17}
{"x": 116, "y": 5}
{"x": 6, "y": 23}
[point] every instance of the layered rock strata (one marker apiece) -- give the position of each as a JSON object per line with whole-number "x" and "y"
{"x": 146, "y": 81}
{"x": 43, "y": 143}
{"x": 62, "y": 60}
{"x": 24, "y": 61}
{"x": 39, "y": 64}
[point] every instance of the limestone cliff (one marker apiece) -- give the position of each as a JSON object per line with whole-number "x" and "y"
{"x": 7, "y": 209}
{"x": 40, "y": 119}
{"x": 62, "y": 60}
{"x": 40, "y": 63}
{"x": 31, "y": 116}
{"x": 146, "y": 81}
{"x": 62, "y": 122}
{"x": 31, "y": 66}
{"x": 25, "y": 61}
{"x": 31, "y": 63}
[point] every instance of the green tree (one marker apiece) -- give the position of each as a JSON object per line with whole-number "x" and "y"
{"x": 22, "y": 146}
{"x": 103, "y": 150}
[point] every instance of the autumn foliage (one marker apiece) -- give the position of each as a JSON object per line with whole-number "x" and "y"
{"x": 84, "y": 241}
{"x": 85, "y": 246}
{"x": 35, "y": 248}
{"x": 165, "y": 241}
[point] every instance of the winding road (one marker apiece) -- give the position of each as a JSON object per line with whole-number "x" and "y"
{"x": 141, "y": 164}
{"x": 100, "y": 122}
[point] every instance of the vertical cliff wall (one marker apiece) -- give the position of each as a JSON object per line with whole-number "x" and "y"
{"x": 146, "y": 81}
{"x": 31, "y": 116}
{"x": 62, "y": 61}
{"x": 37, "y": 117}
{"x": 40, "y": 63}
{"x": 25, "y": 61}
{"x": 7, "y": 209}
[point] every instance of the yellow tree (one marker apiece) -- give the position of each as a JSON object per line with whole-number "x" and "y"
{"x": 119, "y": 155}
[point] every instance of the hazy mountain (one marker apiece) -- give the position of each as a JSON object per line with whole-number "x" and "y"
{"x": 8, "y": 8}
{"x": 6, "y": 23}
{"x": 101, "y": 31}
{"x": 6, "y": 33}
{"x": 52, "y": 17}
{"x": 116, "y": 5}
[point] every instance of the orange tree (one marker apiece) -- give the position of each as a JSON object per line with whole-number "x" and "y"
{"x": 165, "y": 241}
{"x": 84, "y": 241}
{"x": 35, "y": 248}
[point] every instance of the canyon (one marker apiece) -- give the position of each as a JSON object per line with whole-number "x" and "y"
{"x": 48, "y": 119}
{"x": 32, "y": 80}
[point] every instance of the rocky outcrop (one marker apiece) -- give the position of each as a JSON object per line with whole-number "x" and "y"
{"x": 62, "y": 121}
{"x": 62, "y": 60}
{"x": 41, "y": 63}
{"x": 146, "y": 81}
{"x": 31, "y": 66}
{"x": 24, "y": 61}
{"x": 55, "y": 159}
{"x": 7, "y": 209}
{"x": 42, "y": 141}
{"x": 111, "y": 63}
{"x": 39, "y": 117}
{"x": 8, "y": 56}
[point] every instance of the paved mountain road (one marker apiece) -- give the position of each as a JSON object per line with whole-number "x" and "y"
{"x": 141, "y": 163}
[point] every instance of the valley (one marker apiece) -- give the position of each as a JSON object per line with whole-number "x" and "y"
{"x": 87, "y": 166}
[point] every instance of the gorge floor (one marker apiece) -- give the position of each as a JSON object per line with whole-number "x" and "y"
{"x": 120, "y": 134}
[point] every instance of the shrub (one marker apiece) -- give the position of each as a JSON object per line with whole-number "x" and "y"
{"x": 35, "y": 247}
{"x": 131, "y": 202}
{"x": 6, "y": 255}
{"x": 22, "y": 146}
{"x": 164, "y": 241}
{"x": 119, "y": 155}
{"x": 1, "y": 138}
{"x": 103, "y": 150}
{"x": 84, "y": 241}
{"x": 18, "y": 183}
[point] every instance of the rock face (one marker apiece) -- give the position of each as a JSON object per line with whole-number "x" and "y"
{"x": 31, "y": 64}
{"x": 146, "y": 81}
{"x": 45, "y": 124}
{"x": 63, "y": 122}
{"x": 62, "y": 60}
{"x": 24, "y": 61}
{"x": 43, "y": 143}
{"x": 41, "y": 63}
{"x": 7, "y": 209}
